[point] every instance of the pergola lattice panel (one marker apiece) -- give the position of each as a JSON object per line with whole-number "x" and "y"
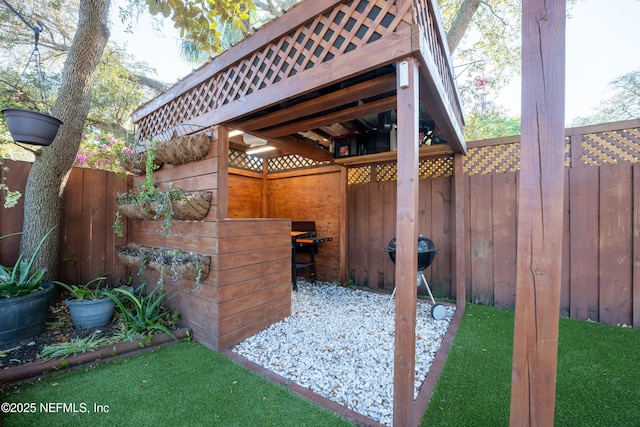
{"x": 341, "y": 30}
{"x": 239, "y": 159}
{"x": 291, "y": 162}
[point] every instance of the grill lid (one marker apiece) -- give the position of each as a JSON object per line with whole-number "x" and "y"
{"x": 426, "y": 251}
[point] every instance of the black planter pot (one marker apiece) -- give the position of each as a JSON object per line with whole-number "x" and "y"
{"x": 23, "y": 317}
{"x": 31, "y": 127}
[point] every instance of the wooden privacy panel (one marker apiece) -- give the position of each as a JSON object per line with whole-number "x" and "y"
{"x": 245, "y": 196}
{"x": 372, "y": 210}
{"x": 601, "y": 243}
{"x": 309, "y": 196}
{"x": 88, "y": 211}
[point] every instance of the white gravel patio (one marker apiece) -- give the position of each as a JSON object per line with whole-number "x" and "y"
{"x": 339, "y": 343}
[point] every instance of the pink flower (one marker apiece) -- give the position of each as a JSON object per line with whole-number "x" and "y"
{"x": 81, "y": 158}
{"x": 105, "y": 147}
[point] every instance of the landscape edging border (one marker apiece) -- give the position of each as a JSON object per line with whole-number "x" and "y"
{"x": 48, "y": 368}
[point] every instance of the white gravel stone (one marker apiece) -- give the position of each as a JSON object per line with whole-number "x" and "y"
{"x": 338, "y": 342}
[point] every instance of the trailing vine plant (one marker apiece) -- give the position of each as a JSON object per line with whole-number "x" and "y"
{"x": 156, "y": 201}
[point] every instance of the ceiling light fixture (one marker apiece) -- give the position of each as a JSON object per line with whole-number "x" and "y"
{"x": 253, "y": 141}
{"x": 235, "y": 132}
{"x": 262, "y": 149}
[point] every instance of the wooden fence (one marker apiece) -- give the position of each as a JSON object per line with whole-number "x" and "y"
{"x": 601, "y": 250}
{"x": 87, "y": 244}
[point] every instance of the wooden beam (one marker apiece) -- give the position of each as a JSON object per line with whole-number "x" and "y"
{"x": 290, "y": 144}
{"x": 458, "y": 231}
{"x": 350, "y": 113}
{"x": 407, "y": 244}
{"x": 429, "y": 151}
{"x": 223, "y": 171}
{"x": 367, "y": 89}
{"x": 540, "y": 214}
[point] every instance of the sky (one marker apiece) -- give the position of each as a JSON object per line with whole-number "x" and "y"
{"x": 602, "y": 43}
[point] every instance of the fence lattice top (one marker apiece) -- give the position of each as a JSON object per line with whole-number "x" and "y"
{"x": 595, "y": 148}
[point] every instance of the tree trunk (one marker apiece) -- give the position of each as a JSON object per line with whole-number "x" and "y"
{"x": 48, "y": 176}
{"x": 461, "y": 23}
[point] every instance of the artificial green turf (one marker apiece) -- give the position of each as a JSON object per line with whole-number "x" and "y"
{"x": 184, "y": 384}
{"x": 187, "y": 384}
{"x": 597, "y": 382}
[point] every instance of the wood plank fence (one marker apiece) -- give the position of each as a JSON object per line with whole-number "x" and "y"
{"x": 601, "y": 244}
{"x": 87, "y": 244}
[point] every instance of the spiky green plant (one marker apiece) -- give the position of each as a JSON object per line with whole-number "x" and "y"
{"x": 22, "y": 278}
{"x": 142, "y": 310}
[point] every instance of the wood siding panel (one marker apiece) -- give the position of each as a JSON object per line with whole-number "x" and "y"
{"x": 565, "y": 288}
{"x": 376, "y": 273}
{"x": 312, "y": 196}
{"x": 11, "y": 219}
{"x": 389, "y": 190}
{"x": 616, "y": 243}
{"x": 245, "y": 197}
{"x": 251, "y": 300}
{"x": 636, "y": 246}
{"x": 440, "y": 270}
{"x": 480, "y": 206}
{"x": 584, "y": 191}
{"x": 503, "y": 187}
{"x": 425, "y": 227}
{"x": 255, "y": 315}
{"x": 94, "y": 204}
{"x": 71, "y": 237}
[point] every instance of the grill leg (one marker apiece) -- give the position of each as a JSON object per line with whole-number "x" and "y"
{"x": 393, "y": 294}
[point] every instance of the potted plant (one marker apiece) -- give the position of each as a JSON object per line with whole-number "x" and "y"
{"x": 24, "y": 297}
{"x": 89, "y": 306}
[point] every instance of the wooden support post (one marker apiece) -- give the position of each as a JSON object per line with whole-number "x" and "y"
{"x": 264, "y": 192}
{"x": 406, "y": 244}
{"x": 458, "y": 234}
{"x": 540, "y": 214}
{"x": 223, "y": 172}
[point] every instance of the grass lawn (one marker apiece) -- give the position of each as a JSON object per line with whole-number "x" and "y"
{"x": 597, "y": 383}
{"x": 189, "y": 385}
{"x": 185, "y": 384}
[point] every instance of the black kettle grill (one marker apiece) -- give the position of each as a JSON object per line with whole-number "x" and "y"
{"x": 426, "y": 253}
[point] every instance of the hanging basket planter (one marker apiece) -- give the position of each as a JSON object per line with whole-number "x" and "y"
{"x": 186, "y": 206}
{"x": 174, "y": 263}
{"x": 183, "y": 149}
{"x": 133, "y": 210}
{"x": 31, "y": 127}
{"x": 136, "y": 162}
{"x": 131, "y": 255}
{"x": 194, "y": 206}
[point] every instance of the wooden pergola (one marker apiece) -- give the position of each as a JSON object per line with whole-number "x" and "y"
{"x": 324, "y": 64}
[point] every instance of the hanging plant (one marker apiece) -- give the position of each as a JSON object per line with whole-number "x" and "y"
{"x": 174, "y": 262}
{"x": 153, "y": 203}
